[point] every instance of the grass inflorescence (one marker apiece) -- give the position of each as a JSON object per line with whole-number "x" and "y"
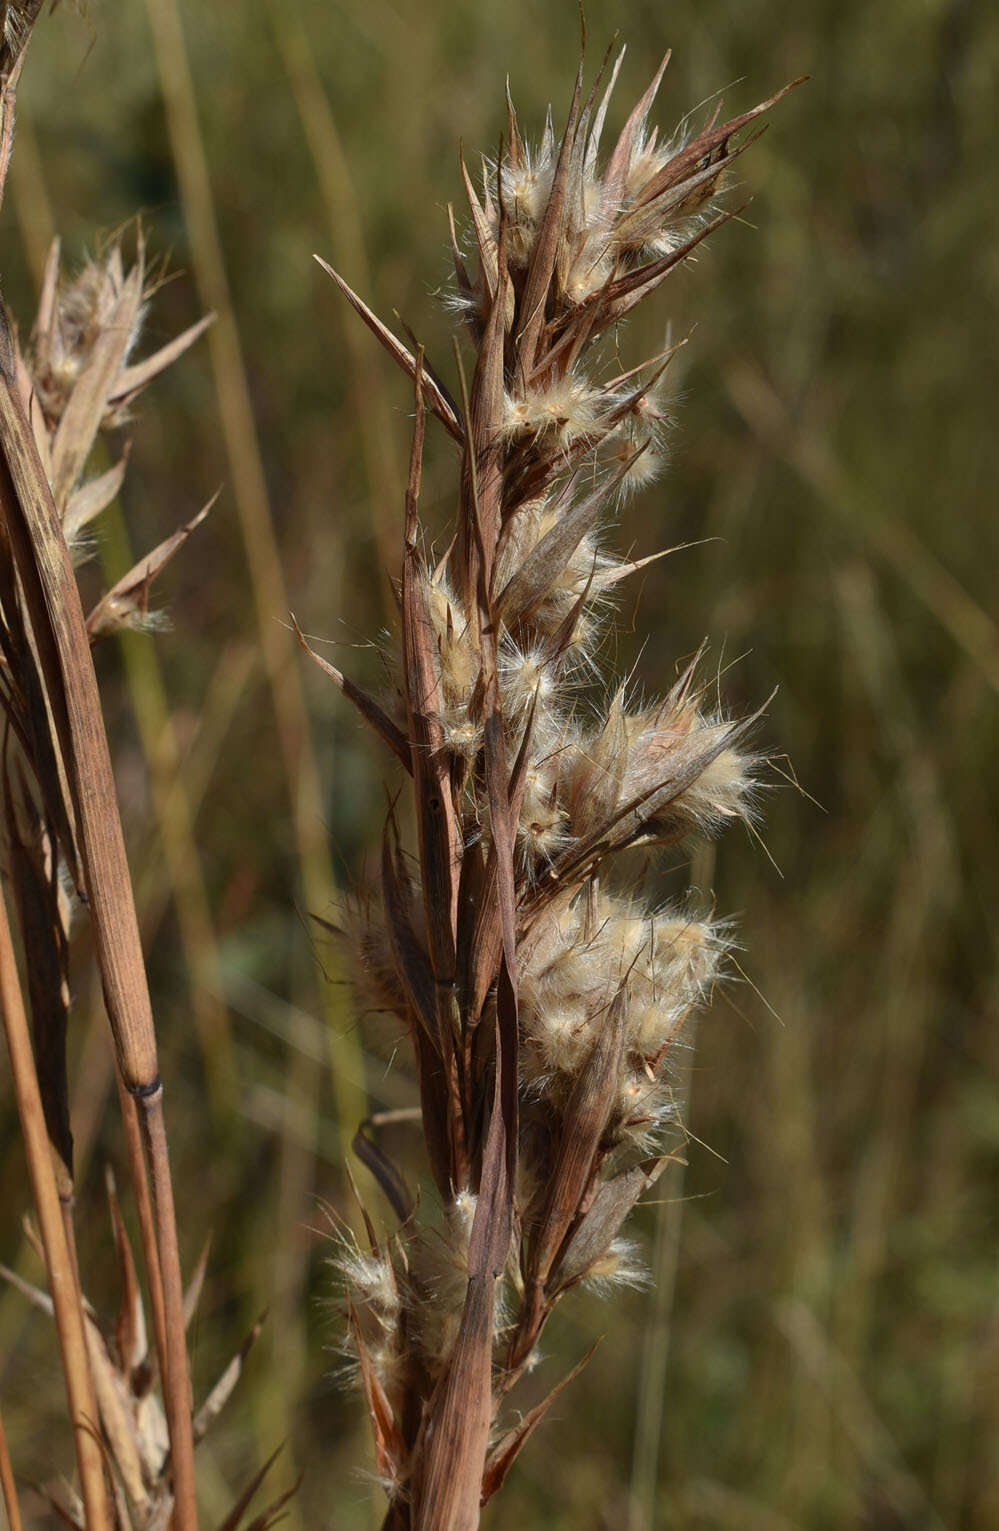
{"x": 544, "y": 998}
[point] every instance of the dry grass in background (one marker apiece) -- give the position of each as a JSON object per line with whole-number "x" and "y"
{"x": 819, "y": 1347}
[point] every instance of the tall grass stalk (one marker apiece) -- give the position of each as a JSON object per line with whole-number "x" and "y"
{"x": 63, "y": 849}
{"x": 256, "y": 521}
{"x": 270, "y": 602}
{"x": 169, "y": 785}
{"x": 382, "y": 458}
{"x": 67, "y": 1308}
{"x": 973, "y": 629}
{"x": 73, "y": 774}
{"x": 175, "y": 833}
{"x": 544, "y": 997}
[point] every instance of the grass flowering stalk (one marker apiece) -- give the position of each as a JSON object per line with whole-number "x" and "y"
{"x": 62, "y": 846}
{"x": 75, "y": 379}
{"x": 543, "y": 998}
{"x": 62, "y": 828}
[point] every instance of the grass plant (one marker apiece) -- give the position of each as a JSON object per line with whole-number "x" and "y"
{"x": 64, "y": 846}
{"x": 818, "y": 1347}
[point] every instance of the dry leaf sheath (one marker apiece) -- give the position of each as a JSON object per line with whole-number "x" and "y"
{"x": 543, "y": 1003}
{"x": 62, "y": 846}
{"x": 62, "y": 840}
{"x": 62, "y": 837}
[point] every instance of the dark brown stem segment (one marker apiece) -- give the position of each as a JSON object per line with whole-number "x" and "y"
{"x": 449, "y": 1479}
{"x": 145, "y": 1215}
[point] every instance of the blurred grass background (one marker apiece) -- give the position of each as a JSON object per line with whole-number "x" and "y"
{"x": 822, "y": 1345}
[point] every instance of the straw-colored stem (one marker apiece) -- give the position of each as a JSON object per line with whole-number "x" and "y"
{"x": 650, "y": 1405}
{"x": 29, "y": 196}
{"x": 177, "y": 1379}
{"x": 885, "y": 1467}
{"x": 176, "y": 834}
{"x": 253, "y": 508}
{"x": 7, "y": 1485}
{"x": 225, "y": 694}
{"x": 170, "y": 798}
{"x": 52, "y": 604}
{"x": 972, "y": 628}
{"x": 62, "y": 1284}
{"x": 374, "y": 423}
{"x": 147, "y": 1221}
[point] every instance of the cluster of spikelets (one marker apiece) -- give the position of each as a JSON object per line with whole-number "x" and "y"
{"x": 78, "y": 379}
{"x": 404, "y": 1301}
{"x": 543, "y": 1005}
{"x": 579, "y": 954}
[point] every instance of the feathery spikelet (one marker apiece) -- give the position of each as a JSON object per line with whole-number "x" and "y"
{"x": 543, "y": 1006}
{"x": 77, "y": 379}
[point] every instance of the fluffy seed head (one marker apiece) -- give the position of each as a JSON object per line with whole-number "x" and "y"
{"x": 501, "y": 640}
